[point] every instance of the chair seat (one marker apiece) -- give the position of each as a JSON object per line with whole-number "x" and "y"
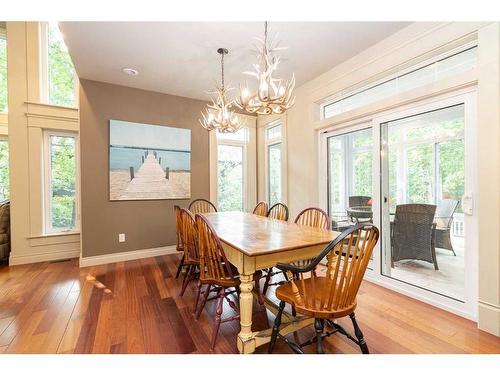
{"x": 312, "y": 307}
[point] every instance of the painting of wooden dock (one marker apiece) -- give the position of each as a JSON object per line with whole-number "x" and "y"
{"x": 148, "y": 161}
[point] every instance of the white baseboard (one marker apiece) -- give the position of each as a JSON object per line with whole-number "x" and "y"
{"x": 43, "y": 257}
{"x": 126, "y": 255}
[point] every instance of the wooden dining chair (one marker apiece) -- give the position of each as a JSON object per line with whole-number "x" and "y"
{"x": 313, "y": 217}
{"x": 329, "y": 295}
{"x": 278, "y": 211}
{"x": 217, "y": 275}
{"x": 178, "y": 236}
{"x": 261, "y": 209}
{"x": 190, "y": 246}
{"x": 201, "y": 206}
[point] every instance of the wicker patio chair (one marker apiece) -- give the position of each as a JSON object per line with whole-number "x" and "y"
{"x": 413, "y": 233}
{"x": 359, "y": 200}
{"x": 444, "y": 218}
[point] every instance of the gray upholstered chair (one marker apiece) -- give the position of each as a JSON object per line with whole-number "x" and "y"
{"x": 413, "y": 233}
{"x": 4, "y": 230}
{"x": 444, "y": 218}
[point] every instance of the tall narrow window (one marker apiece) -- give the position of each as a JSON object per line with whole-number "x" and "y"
{"x": 4, "y": 169}
{"x": 61, "y": 73}
{"x": 61, "y": 194}
{"x": 3, "y": 69}
{"x": 274, "y": 164}
{"x": 231, "y": 151}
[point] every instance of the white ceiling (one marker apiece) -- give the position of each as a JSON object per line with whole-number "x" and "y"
{"x": 180, "y": 58}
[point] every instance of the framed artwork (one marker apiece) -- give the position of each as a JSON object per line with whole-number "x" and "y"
{"x": 148, "y": 162}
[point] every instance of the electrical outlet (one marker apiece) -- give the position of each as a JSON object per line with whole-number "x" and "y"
{"x": 121, "y": 237}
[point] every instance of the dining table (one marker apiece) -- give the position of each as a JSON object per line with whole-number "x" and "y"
{"x": 252, "y": 243}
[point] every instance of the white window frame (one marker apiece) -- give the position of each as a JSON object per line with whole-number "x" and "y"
{"x": 5, "y": 138}
{"x": 244, "y": 145}
{"x": 48, "y": 229}
{"x": 467, "y": 96}
{"x": 44, "y": 69}
{"x": 249, "y": 163}
{"x": 347, "y": 93}
{"x": 281, "y": 120}
{"x": 271, "y": 142}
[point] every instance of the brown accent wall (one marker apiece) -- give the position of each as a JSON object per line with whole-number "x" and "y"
{"x": 146, "y": 224}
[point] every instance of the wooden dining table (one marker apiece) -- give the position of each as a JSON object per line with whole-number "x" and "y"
{"x": 252, "y": 243}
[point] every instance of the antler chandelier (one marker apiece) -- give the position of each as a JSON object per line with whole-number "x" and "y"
{"x": 219, "y": 114}
{"x": 274, "y": 95}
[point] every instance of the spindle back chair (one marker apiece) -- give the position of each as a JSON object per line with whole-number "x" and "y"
{"x": 201, "y": 206}
{"x": 190, "y": 246}
{"x": 330, "y": 293}
{"x": 279, "y": 211}
{"x": 261, "y": 209}
{"x": 314, "y": 217}
{"x": 217, "y": 274}
{"x": 178, "y": 236}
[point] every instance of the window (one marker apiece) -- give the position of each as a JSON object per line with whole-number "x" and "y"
{"x": 61, "y": 77}
{"x": 450, "y": 65}
{"x": 4, "y": 168}
{"x": 231, "y": 151}
{"x": 60, "y": 182}
{"x": 349, "y": 172}
{"x": 274, "y": 163}
{"x": 3, "y": 69}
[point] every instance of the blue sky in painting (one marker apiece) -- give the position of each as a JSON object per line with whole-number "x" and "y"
{"x": 134, "y": 134}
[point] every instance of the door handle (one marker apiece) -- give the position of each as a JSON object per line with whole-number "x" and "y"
{"x": 468, "y": 204}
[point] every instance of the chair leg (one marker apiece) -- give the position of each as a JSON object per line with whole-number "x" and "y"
{"x": 218, "y": 313}
{"x": 197, "y": 297}
{"x": 268, "y": 280}
{"x": 318, "y": 326}
{"x": 260, "y": 297}
{"x": 276, "y": 327}
{"x": 201, "y": 305}
{"x": 187, "y": 279}
{"x": 179, "y": 267}
{"x": 359, "y": 335}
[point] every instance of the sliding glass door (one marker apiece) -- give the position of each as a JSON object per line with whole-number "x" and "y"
{"x": 411, "y": 172}
{"x": 349, "y": 178}
{"x": 423, "y": 182}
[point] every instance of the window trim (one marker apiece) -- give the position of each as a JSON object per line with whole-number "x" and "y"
{"x": 367, "y": 84}
{"x": 275, "y": 121}
{"x": 47, "y": 183}
{"x": 44, "y": 69}
{"x": 268, "y": 142}
{"x": 244, "y": 145}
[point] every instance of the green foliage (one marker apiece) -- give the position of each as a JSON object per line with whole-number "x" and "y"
{"x": 230, "y": 179}
{"x": 274, "y": 173}
{"x": 4, "y": 169}
{"x": 61, "y": 71}
{"x": 63, "y": 181}
{"x": 3, "y": 75}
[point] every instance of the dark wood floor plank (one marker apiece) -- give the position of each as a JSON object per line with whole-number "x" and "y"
{"x": 135, "y": 307}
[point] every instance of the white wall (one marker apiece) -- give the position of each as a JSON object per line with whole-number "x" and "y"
{"x": 417, "y": 42}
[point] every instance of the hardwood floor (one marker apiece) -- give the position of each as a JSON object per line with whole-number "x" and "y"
{"x": 134, "y": 307}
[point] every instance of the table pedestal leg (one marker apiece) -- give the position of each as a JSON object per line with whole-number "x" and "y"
{"x": 246, "y": 340}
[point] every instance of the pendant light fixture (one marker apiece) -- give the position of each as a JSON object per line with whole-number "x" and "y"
{"x": 219, "y": 114}
{"x": 274, "y": 95}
